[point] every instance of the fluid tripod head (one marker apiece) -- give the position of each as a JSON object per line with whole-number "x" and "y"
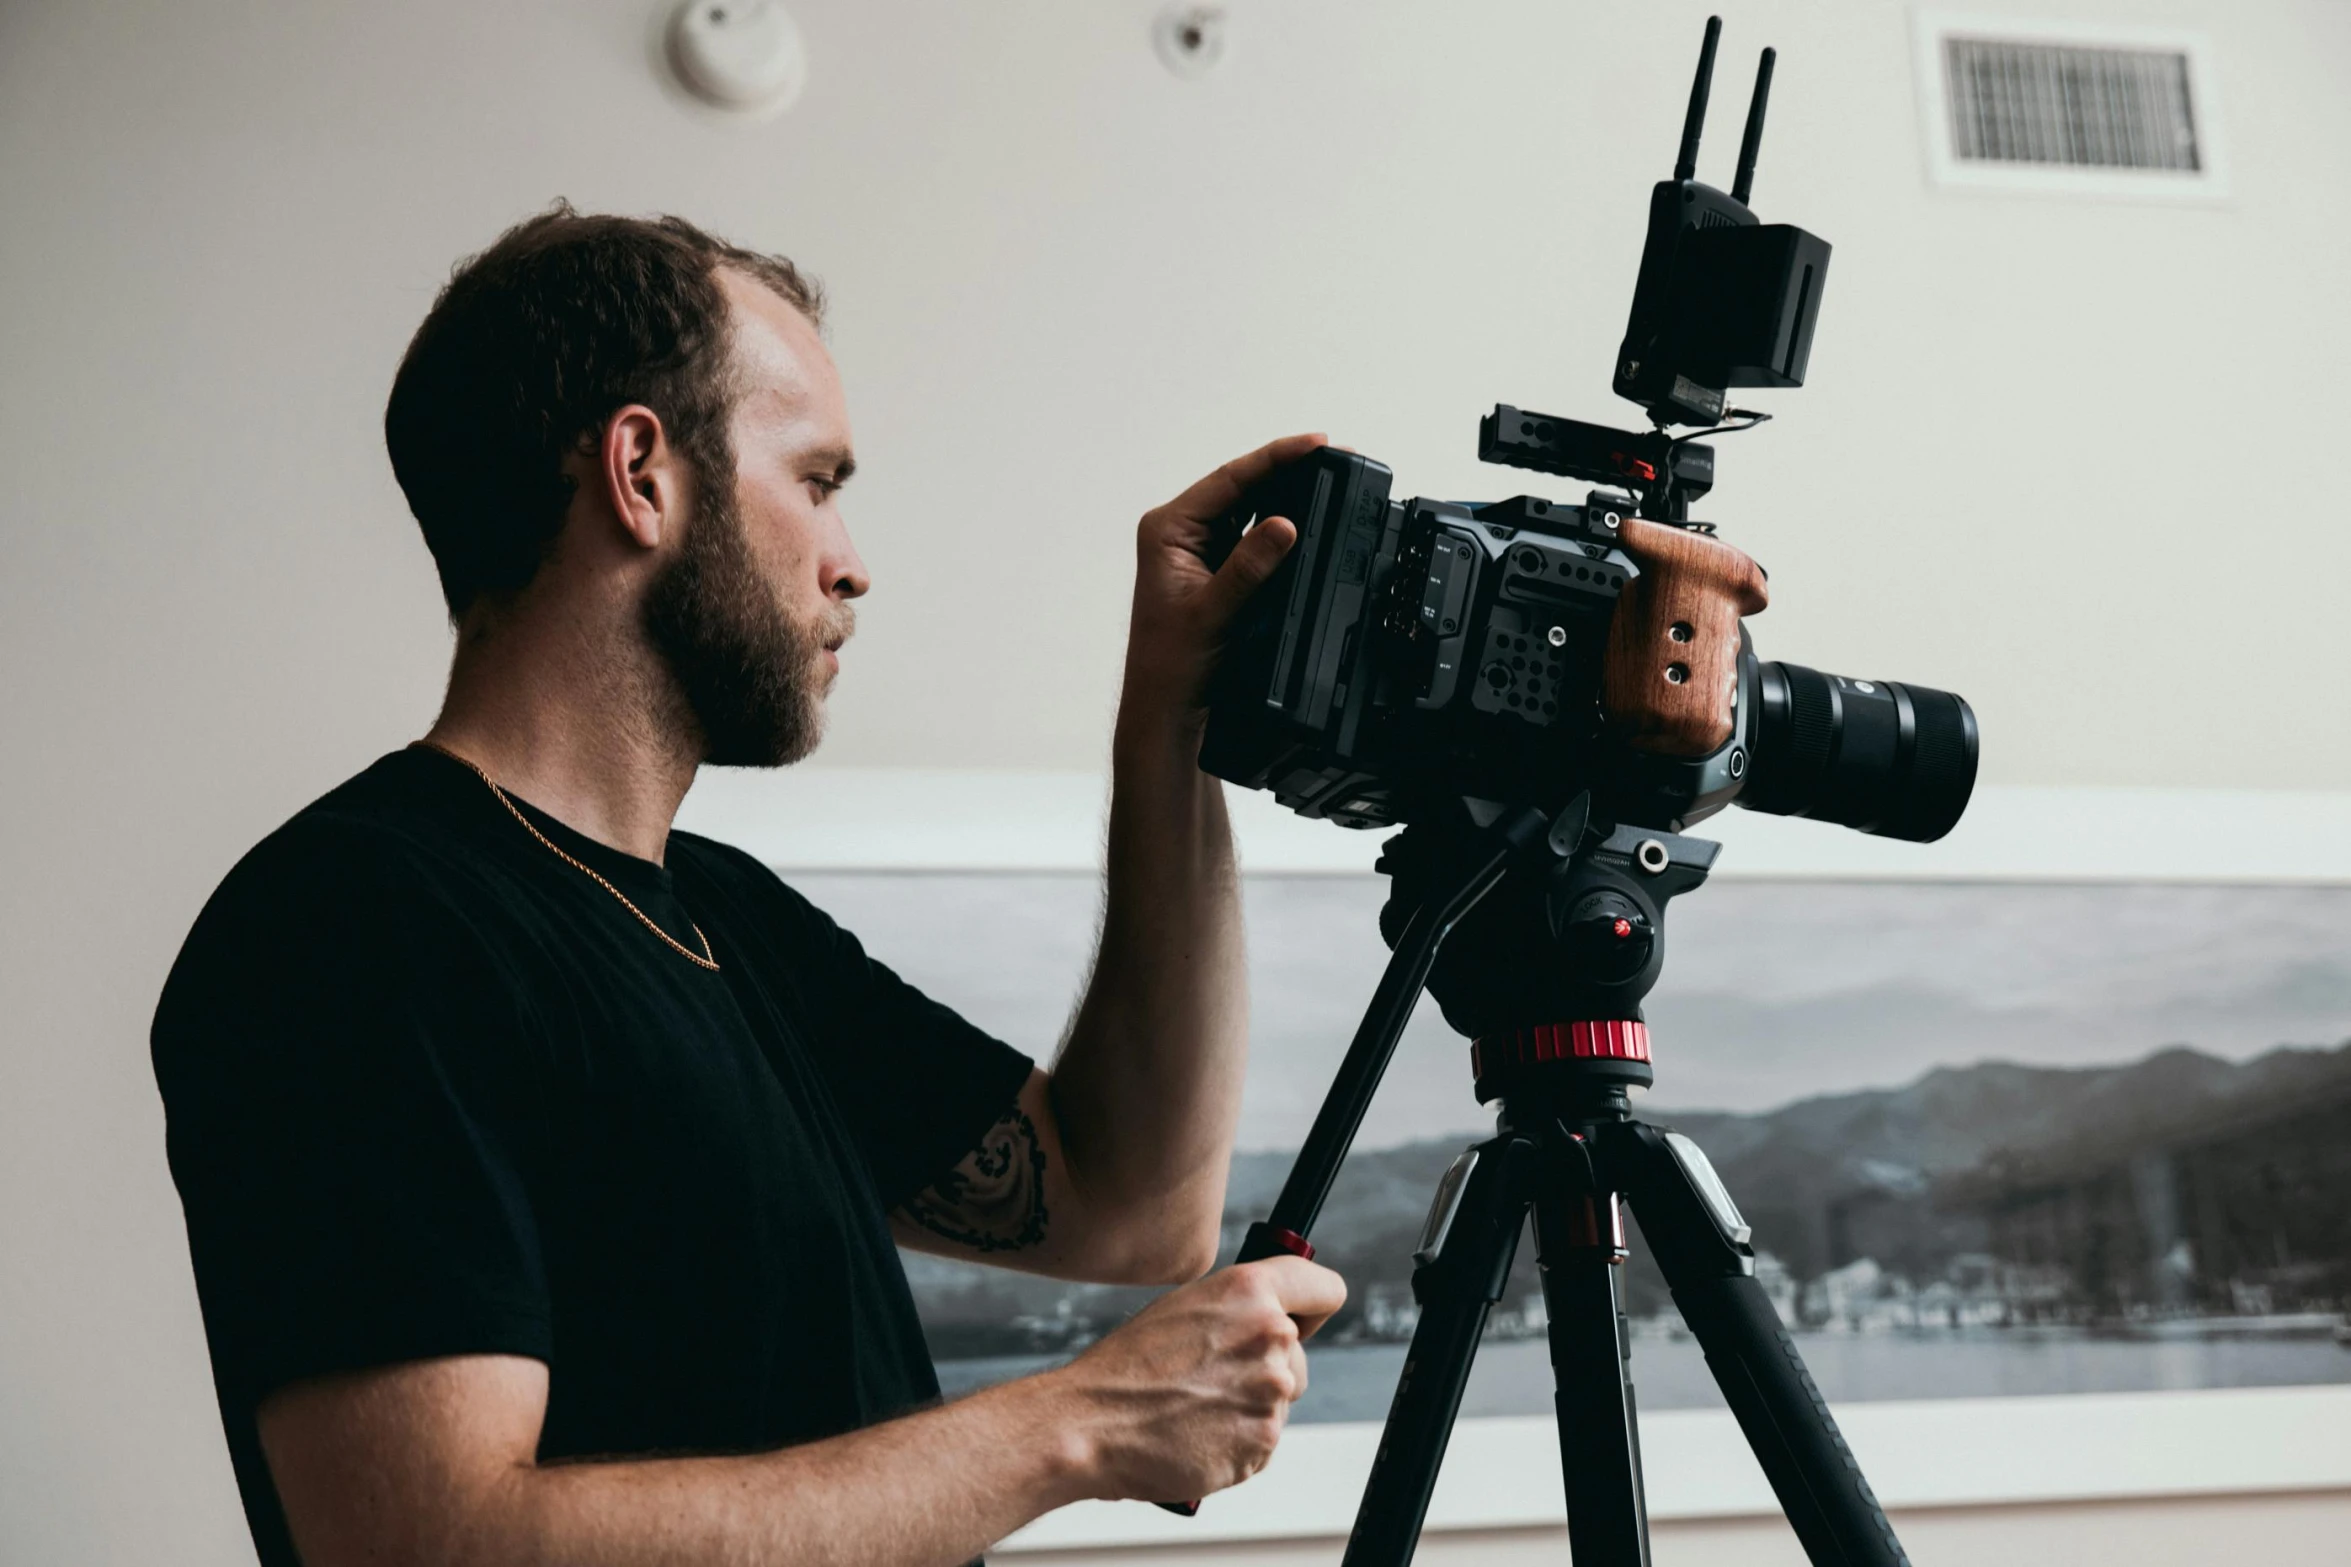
{"x": 1563, "y": 949}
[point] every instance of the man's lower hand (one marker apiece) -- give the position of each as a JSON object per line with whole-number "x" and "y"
{"x": 1191, "y": 1396}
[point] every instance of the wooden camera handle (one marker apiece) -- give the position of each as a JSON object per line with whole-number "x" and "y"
{"x": 1672, "y": 664}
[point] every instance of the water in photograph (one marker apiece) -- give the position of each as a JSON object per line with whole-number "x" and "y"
{"x": 1513, "y": 1376}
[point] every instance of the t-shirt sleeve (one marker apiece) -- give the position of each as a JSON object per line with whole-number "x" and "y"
{"x": 917, "y": 1082}
{"x": 348, "y": 1077}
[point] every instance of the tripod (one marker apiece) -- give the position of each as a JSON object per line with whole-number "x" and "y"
{"x": 1567, "y": 1152}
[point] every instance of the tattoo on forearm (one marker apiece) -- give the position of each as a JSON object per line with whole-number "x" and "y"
{"x": 995, "y": 1199}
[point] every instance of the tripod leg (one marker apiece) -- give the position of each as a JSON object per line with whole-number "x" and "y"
{"x": 1701, "y": 1244}
{"x": 1579, "y": 1237}
{"x": 1465, "y": 1257}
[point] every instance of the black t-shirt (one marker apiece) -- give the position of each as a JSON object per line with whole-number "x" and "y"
{"x": 431, "y": 1091}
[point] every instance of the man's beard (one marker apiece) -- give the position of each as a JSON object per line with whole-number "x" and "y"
{"x": 753, "y": 679}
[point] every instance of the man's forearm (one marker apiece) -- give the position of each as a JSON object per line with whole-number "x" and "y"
{"x": 1148, "y": 1087}
{"x": 931, "y": 1490}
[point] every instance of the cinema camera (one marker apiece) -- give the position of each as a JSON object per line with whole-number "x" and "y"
{"x": 1545, "y": 696}
{"x": 1418, "y": 651}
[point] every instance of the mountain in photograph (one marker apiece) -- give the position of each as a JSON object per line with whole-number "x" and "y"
{"x": 2173, "y": 1187}
{"x": 1772, "y": 989}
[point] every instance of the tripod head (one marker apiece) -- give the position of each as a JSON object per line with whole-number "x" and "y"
{"x": 1547, "y": 973}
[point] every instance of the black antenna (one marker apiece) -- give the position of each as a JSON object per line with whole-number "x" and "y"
{"x": 1748, "y": 148}
{"x": 1686, "y": 167}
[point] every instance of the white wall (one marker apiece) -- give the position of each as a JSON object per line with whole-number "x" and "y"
{"x": 2067, "y": 457}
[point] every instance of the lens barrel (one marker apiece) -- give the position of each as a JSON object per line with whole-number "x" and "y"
{"x": 1884, "y": 758}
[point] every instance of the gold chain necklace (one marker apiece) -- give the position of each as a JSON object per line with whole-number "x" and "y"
{"x": 702, "y": 959}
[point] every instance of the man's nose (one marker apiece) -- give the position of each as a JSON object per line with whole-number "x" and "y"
{"x": 845, "y": 573}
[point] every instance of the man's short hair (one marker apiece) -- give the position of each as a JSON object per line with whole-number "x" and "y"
{"x": 532, "y": 346}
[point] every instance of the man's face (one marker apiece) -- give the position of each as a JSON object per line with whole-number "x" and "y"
{"x": 751, "y": 611}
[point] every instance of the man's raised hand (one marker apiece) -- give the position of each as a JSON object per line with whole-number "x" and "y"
{"x": 1182, "y": 609}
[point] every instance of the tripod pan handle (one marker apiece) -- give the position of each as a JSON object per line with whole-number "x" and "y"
{"x": 1267, "y": 1239}
{"x": 1263, "y": 1240}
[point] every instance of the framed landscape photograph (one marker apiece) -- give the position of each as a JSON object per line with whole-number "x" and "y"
{"x": 1994, "y": 1138}
{"x": 2008, "y": 1142}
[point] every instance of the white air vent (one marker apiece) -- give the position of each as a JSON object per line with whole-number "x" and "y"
{"x": 2070, "y": 109}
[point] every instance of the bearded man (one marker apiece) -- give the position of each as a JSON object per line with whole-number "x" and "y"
{"x": 542, "y": 1165}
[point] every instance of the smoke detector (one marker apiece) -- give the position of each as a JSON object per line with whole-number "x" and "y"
{"x": 1189, "y": 39}
{"x": 744, "y": 56}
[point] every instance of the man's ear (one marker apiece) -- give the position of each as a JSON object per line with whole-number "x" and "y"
{"x": 639, "y": 475}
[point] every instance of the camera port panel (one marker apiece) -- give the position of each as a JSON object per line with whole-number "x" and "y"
{"x": 1447, "y": 603}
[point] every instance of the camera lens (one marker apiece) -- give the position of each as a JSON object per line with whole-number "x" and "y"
{"x": 1890, "y": 759}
